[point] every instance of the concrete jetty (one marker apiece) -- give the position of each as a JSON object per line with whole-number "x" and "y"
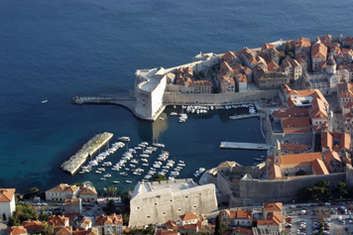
{"x": 126, "y": 102}
{"x": 73, "y": 164}
{"x": 242, "y": 145}
{"x": 244, "y": 116}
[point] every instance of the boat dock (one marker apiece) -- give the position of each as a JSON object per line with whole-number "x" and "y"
{"x": 244, "y": 116}
{"x": 242, "y": 145}
{"x": 73, "y": 164}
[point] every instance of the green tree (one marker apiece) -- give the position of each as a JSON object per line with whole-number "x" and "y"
{"x": 111, "y": 191}
{"x": 159, "y": 177}
{"x": 31, "y": 193}
{"x": 220, "y": 226}
{"x": 23, "y": 212}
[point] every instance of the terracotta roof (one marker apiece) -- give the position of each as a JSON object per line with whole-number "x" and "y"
{"x": 273, "y": 206}
{"x": 303, "y": 42}
{"x": 292, "y": 160}
{"x": 88, "y": 191}
{"x": 7, "y": 194}
{"x": 243, "y": 214}
{"x": 17, "y": 230}
{"x": 110, "y": 219}
{"x": 319, "y": 51}
{"x": 267, "y": 45}
{"x": 330, "y": 156}
{"x": 58, "y": 220}
{"x": 319, "y": 167}
{"x": 273, "y": 219}
{"x": 241, "y": 230}
{"x": 33, "y": 225}
{"x": 166, "y": 232}
{"x": 189, "y": 216}
{"x": 301, "y": 124}
{"x": 345, "y": 90}
{"x": 272, "y": 66}
{"x": 228, "y": 213}
{"x": 241, "y": 77}
{"x": 318, "y": 109}
{"x": 63, "y": 231}
{"x": 225, "y": 68}
{"x": 80, "y": 232}
{"x": 64, "y": 188}
{"x": 229, "y": 57}
{"x": 343, "y": 141}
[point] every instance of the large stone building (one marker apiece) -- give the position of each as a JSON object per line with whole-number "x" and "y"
{"x": 149, "y": 90}
{"x": 158, "y": 202}
{"x": 61, "y": 192}
{"x": 7, "y": 203}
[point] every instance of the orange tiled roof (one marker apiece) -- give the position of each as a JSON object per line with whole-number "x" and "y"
{"x": 88, "y": 191}
{"x": 166, "y": 232}
{"x": 64, "y": 188}
{"x": 303, "y": 42}
{"x": 319, "y": 167}
{"x": 33, "y": 225}
{"x": 63, "y": 231}
{"x": 110, "y": 219}
{"x": 296, "y": 123}
{"x": 292, "y": 160}
{"x": 17, "y": 230}
{"x": 243, "y": 214}
{"x": 58, "y": 220}
{"x": 319, "y": 51}
{"x": 241, "y": 230}
{"x": 229, "y": 56}
{"x": 6, "y": 194}
{"x": 189, "y": 216}
{"x": 272, "y": 66}
{"x": 273, "y": 206}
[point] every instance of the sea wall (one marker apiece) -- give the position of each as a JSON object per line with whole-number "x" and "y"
{"x": 175, "y": 98}
{"x": 254, "y": 191}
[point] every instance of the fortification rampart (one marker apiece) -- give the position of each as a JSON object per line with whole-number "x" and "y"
{"x": 254, "y": 191}
{"x": 174, "y": 98}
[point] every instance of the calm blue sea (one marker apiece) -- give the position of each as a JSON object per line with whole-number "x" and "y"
{"x": 61, "y": 48}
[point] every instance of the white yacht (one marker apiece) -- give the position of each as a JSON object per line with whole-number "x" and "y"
{"x": 124, "y": 138}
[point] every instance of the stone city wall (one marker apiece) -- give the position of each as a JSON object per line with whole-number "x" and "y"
{"x": 254, "y": 191}
{"x": 174, "y": 98}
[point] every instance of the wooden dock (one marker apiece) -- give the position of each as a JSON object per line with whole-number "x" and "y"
{"x": 243, "y": 145}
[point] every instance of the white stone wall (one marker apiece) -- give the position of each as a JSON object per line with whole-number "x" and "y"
{"x": 158, "y": 209}
{"x": 7, "y": 209}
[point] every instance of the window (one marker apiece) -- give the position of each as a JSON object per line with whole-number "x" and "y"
{"x": 186, "y": 196}
{"x": 171, "y": 200}
{"x": 155, "y": 203}
{"x": 148, "y": 216}
{"x": 164, "y": 213}
{"x": 138, "y": 208}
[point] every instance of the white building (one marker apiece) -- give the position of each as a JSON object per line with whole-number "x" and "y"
{"x": 7, "y": 203}
{"x": 149, "y": 90}
{"x": 158, "y": 202}
{"x": 61, "y": 192}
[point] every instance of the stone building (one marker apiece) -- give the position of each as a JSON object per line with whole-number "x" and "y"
{"x": 345, "y": 98}
{"x": 7, "y": 203}
{"x": 109, "y": 224}
{"x": 88, "y": 194}
{"x": 61, "y": 192}
{"x": 73, "y": 206}
{"x": 17, "y": 230}
{"x": 318, "y": 56}
{"x": 149, "y": 90}
{"x": 158, "y": 202}
{"x": 292, "y": 68}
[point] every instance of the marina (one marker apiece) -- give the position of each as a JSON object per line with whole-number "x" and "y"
{"x": 243, "y": 145}
{"x": 91, "y": 147}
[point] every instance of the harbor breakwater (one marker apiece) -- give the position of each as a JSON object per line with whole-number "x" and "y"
{"x": 88, "y": 149}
